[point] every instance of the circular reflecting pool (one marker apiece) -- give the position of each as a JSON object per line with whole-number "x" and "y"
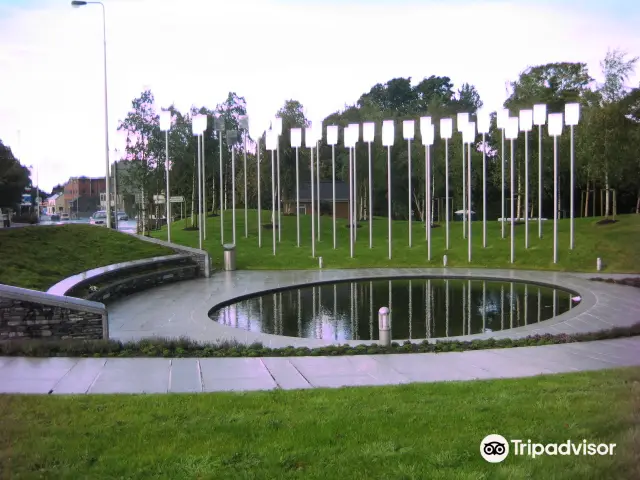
{"x": 420, "y": 308}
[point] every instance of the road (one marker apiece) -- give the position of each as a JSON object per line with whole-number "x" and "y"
{"x": 128, "y": 226}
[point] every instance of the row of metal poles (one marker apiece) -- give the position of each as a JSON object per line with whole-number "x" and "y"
{"x": 509, "y": 128}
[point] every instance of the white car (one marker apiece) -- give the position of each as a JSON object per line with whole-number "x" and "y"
{"x": 64, "y": 217}
{"x": 98, "y": 218}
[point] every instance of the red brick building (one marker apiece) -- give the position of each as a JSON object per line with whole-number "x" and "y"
{"x": 78, "y": 189}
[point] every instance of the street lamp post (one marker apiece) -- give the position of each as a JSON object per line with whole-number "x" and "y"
{"x": 484, "y": 124}
{"x": 165, "y": 126}
{"x": 232, "y": 139}
{"x": 555, "y": 130}
{"x": 310, "y": 143}
{"x": 78, "y": 4}
{"x": 272, "y": 144}
{"x": 197, "y": 128}
{"x": 296, "y": 142}
{"x": 501, "y": 122}
{"x": 446, "y": 132}
{"x": 572, "y": 116}
{"x": 539, "y": 119}
{"x": 408, "y": 132}
{"x": 332, "y": 139}
{"x": 355, "y": 136}
{"x": 468, "y": 137}
{"x": 388, "y": 136}
{"x": 427, "y": 133}
{"x": 368, "y": 135}
{"x": 205, "y": 121}
{"x": 511, "y": 133}
{"x": 526, "y": 125}
{"x": 462, "y": 121}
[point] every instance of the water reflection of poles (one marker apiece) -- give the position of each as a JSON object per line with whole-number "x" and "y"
{"x": 274, "y": 299}
{"x": 313, "y": 306}
{"x": 501, "y": 307}
{"x": 355, "y": 304}
{"x": 428, "y": 305}
{"x": 390, "y": 298}
{"x": 526, "y": 303}
{"x": 511, "y": 305}
{"x": 469, "y": 294}
{"x": 539, "y": 305}
{"x": 299, "y": 315}
{"x": 370, "y": 310}
{"x": 484, "y": 307}
{"x": 249, "y": 314}
{"x": 260, "y": 308}
{"x": 320, "y": 317}
{"x": 554, "y": 301}
{"x": 464, "y": 306}
{"x": 280, "y": 313}
{"x": 410, "y": 307}
{"x": 335, "y": 309}
{"x": 446, "y": 302}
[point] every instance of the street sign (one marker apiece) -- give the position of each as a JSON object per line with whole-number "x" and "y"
{"x": 158, "y": 199}
{"x": 176, "y": 199}
{"x": 38, "y": 199}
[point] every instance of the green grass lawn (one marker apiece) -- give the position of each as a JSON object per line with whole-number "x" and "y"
{"x": 401, "y": 432}
{"x": 37, "y": 257}
{"x": 614, "y": 243}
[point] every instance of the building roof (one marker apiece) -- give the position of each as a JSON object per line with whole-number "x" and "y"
{"x": 326, "y": 191}
{"x": 53, "y": 197}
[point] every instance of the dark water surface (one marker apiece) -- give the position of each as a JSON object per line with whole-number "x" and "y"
{"x": 420, "y": 308}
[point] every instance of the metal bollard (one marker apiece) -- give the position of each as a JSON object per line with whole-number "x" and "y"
{"x": 599, "y": 264}
{"x": 319, "y": 262}
{"x": 384, "y": 327}
{"x": 444, "y": 260}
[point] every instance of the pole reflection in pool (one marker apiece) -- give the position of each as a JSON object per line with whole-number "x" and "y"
{"x": 371, "y": 310}
{"x": 539, "y": 305}
{"x": 428, "y": 305}
{"x": 313, "y": 312}
{"x": 410, "y": 308}
{"x": 320, "y": 314}
{"x": 234, "y": 315}
{"x": 353, "y": 334}
{"x": 501, "y": 307}
{"x": 484, "y": 307}
{"x": 260, "y": 309}
{"x": 280, "y": 322}
{"x": 249, "y": 316}
{"x": 390, "y": 309}
{"x": 511, "y": 305}
{"x": 335, "y": 310}
{"x": 356, "y": 305}
{"x": 464, "y": 307}
{"x": 446, "y": 301}
{"x": 299, "y": 314}
{"x": 469, "y": 299}
{"x": 526, "y": 303}
{"x": 276, "y": 327}
{"x": 554, "y": 303}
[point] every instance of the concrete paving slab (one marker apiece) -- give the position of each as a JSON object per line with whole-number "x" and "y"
{"x": 27, "y": 368}
{"x": 80, "y": 378}
{"x": 184, "y": 376}
{"x": 285, "y": 374}
{"x": 239, "y": 384}
{"x": 133, "y": 375}
{"x": 223, "y": 374}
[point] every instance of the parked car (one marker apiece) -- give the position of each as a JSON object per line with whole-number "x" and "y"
{"x": 100, "y": 218}
{"x": 64, "y": 217}
{"x": 123, "y": 216}
{"x": 55, "y": 217}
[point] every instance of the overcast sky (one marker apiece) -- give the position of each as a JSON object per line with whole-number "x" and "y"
{"x": 322, "y": 53}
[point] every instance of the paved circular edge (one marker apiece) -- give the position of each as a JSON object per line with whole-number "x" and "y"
{"x": 182, "y": 309}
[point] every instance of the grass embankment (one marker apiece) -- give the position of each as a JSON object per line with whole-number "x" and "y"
{"x": 401, "y": 432}
{"x": 613, "y": 243}
{"x": 38, "y": 257}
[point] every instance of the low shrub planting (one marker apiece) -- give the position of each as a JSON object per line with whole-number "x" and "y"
{"x": 630, "y": 281}
{"x": 184, "y": 347}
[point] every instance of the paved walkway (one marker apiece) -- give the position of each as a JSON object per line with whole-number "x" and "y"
{"x": 181, "y": 309}
{"x": 162, "y": 375}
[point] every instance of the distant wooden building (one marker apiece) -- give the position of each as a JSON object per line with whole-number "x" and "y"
{"x": 326, "y": 199}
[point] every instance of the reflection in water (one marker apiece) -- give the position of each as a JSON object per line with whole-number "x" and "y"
{"x": 422, "y": 308}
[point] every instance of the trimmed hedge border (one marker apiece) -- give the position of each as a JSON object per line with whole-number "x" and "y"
{"x": 184, "y": 347}
{"x": 630, "y": 281}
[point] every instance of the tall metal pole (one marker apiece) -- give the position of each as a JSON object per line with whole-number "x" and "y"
{"x": 297, "y": 197}
{"x": 199, "y": 194}
{"x": 167, "y": 195}
{"x": 464, "y": 192}
{"x": 502, "y": 181}
{"x": 351, "y": 220}
{"x": 204, "y": 189}
{"x": 428, "y": 194}
{"x": 526, "y": 189}
{"x": 571, "y": 241}
{"x": 389, "y": 194}
{"x": 233, "y": 191}
{"x": 555, "y": 199}
{"x": 469, "y": 196}
{"x": 313, "y": 206}
{"x": 355, "y": 201}
{"x": 318, "y": 183}
{"x": 279, "y": 215}
{"x": 259, "y": 200}
{"x": 246, "y": 207}
{"x": 540, "y": 181}
{"x": 333, "y": 180}
{"x": 446, "y": 188}
{"x": 484, "y": 195}
{"x": 409, "y": 168}
{"x": 273, "y": 200}
{"x": 370, "y": 213}
{"x": 221, "y": 191}
{"x": 512, "y": 203}
{"x": 106, "y": 115}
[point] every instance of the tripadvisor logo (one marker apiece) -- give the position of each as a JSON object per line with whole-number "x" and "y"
{"x": 495, "y": 448}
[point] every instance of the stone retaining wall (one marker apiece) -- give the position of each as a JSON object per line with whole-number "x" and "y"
{"x": 31, "y": 314}
{"x": 200, "y": 256}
